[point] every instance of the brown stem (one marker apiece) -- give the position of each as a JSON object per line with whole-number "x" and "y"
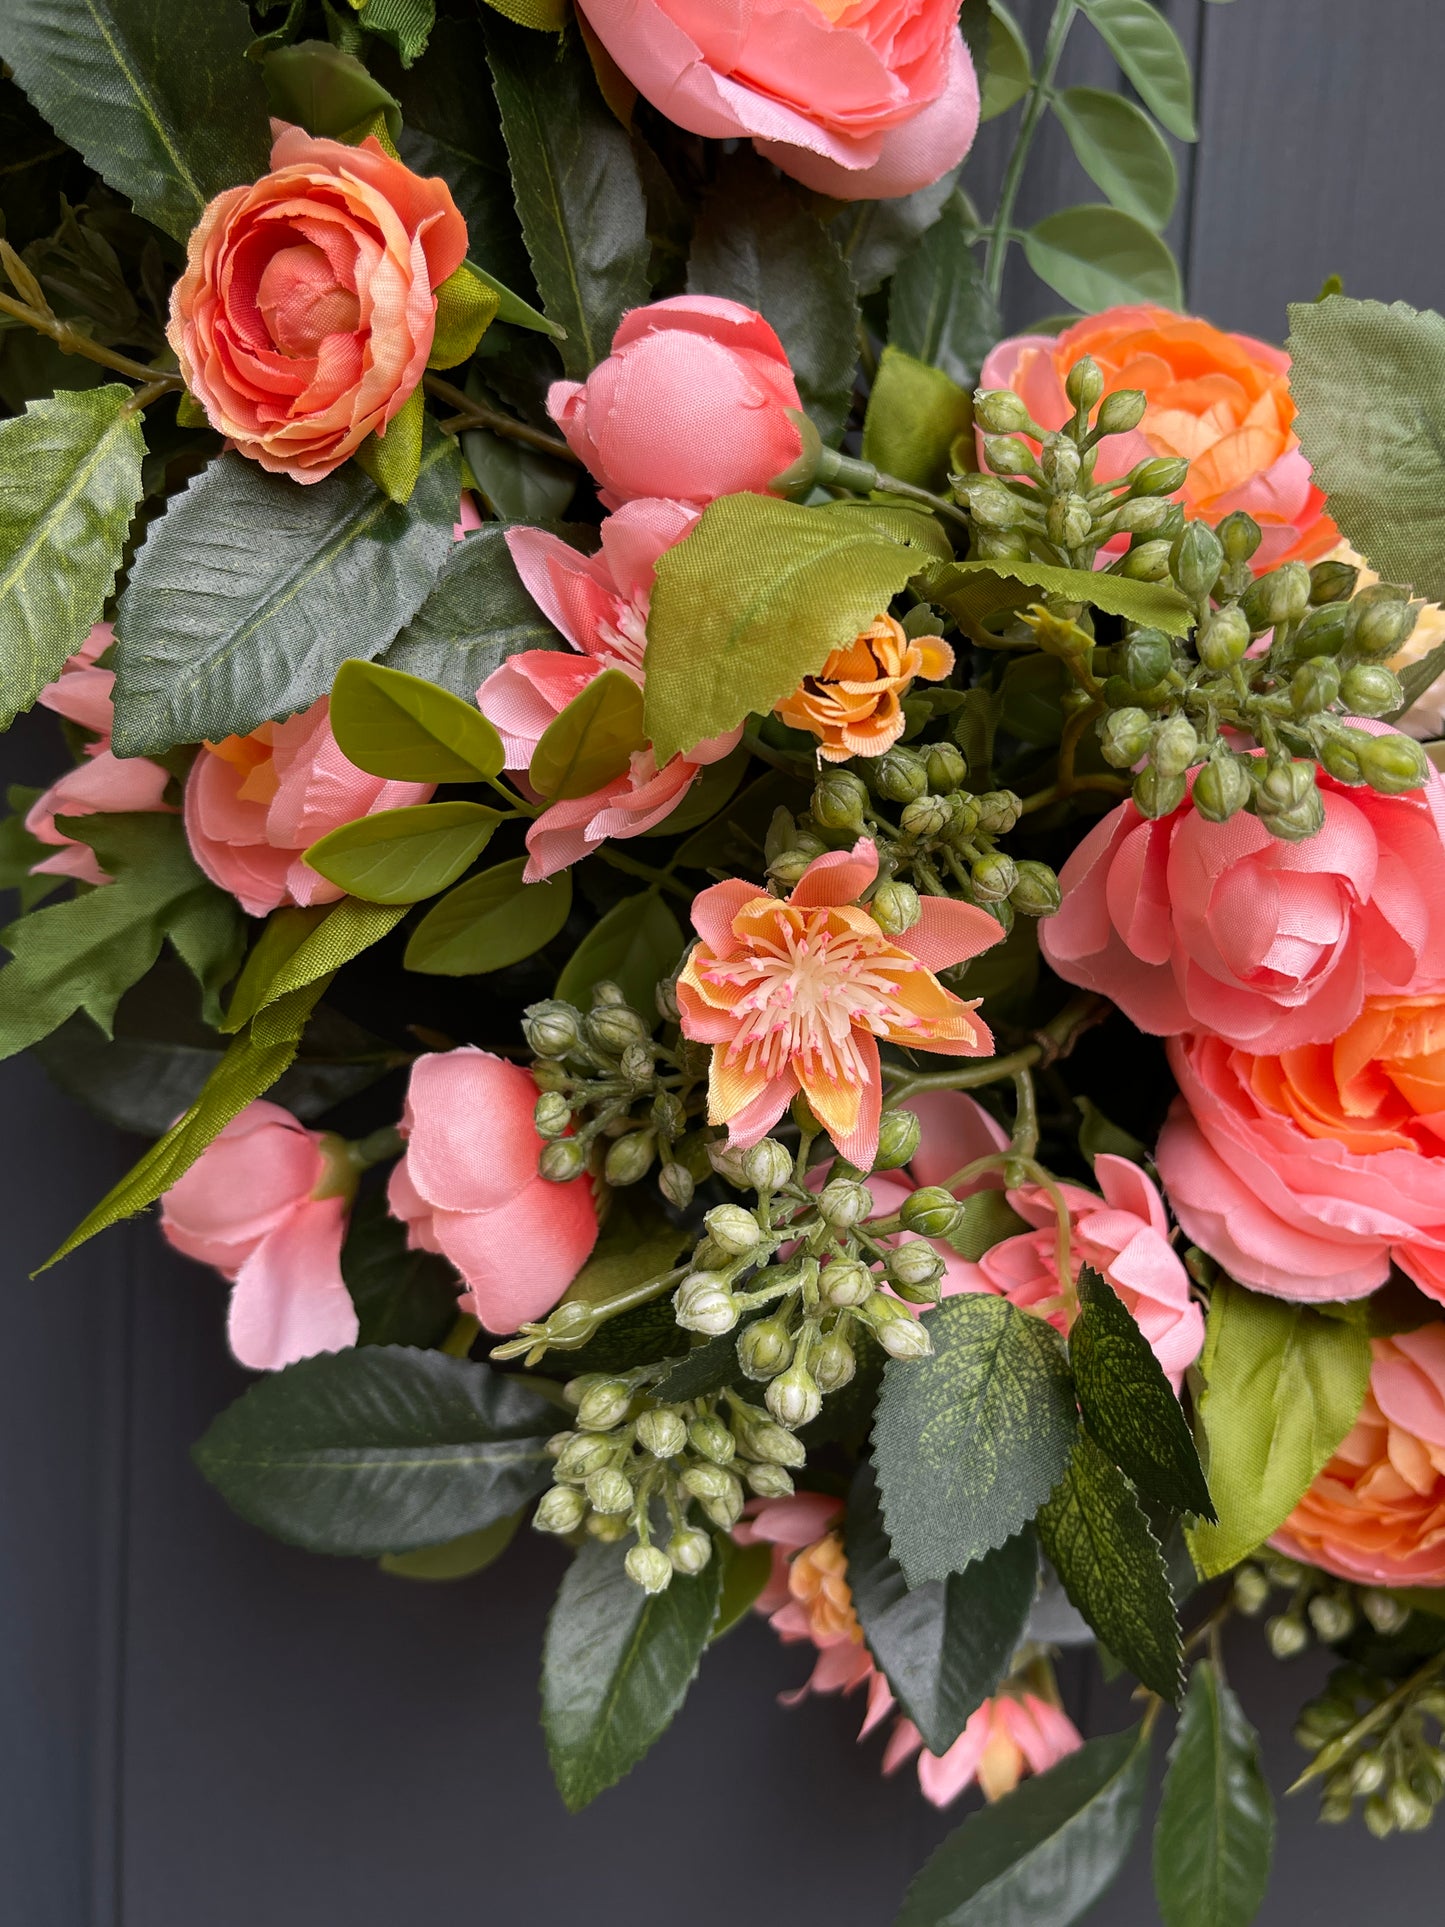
{"x": 71, "y": 341}
{"x": 476, "y": 414}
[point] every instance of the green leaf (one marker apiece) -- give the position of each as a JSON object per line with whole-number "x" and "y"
{"x": 939, "y": 310}
{"x": 489, "y": 922}
{"x": 1357, "y": 361}
{"x": 637, "y": 1243}
{"x": 578, "y": 191}
{"x": 477, "y": 614}
{"x": 969, "y": 1443}
{"x": 393, "y": 459}
{"x": 519, "y": 484}
{"x": 874, "y": 236}
{"x": 1152, "y": 57}
{"x": 1121, "y": 150}
{"x": 299, "y": 947}
{"x": 467, "y": 306}
{"x": 745, "y": 1571}
{"x": 635, "y": 945}
{"x": 1101, "y": 1136}
{"x": 20, "y": 851}
{"x": 379, "y": 1450}
{"x": 230, "y": 617}
{"x": 156, "y": 94}
{"x": 1100, "y": 257}
{"x": 1009, "y": 75}
{"x": 317, "y": 86}
{"x": 1128, "y": 1404}
{"x": 616, "y": 1666}
{"x": 1416, "y": 677}
{"x": 399, "y": 726}
{"x": 1215, "y": 1833}
{"x": 546, "y": 16}
{"x": 752, "y": 600}
{"x": 709, "y": 793}
{"x": 592, "y": 741}
{"x": 72, "y": 480}
{"x": 402, "y": 856}
{"x": 988, "y": 1218}
{"x": 1283, "y": 1385}
{"x": 403, "y": 24}
{"x": 915, "y": 414}
{"x": 944, "y": 1647}
{"x": 457, "y": 1558}
{"x": 756, "y": 242}
{"x": 402, "y": 1297}
{"x": 1042, "y": 1856}
{"x": 956, "y": 585}
{"x": 1098, "y": 1541}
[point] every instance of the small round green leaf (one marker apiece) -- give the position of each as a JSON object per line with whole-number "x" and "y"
{"x": 488, "y": 922}
{"x": 396, "y": 725}
{"x": 1097, "y": 257}
{"x": 1152, "y": 57}
{"x": 1121, "y": 150}
{"x": 401, "y": 856}
{"x": 592, "y": 741}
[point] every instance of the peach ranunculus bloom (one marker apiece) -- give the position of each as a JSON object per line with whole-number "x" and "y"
{"x": 1376, "y": 1514}
{"x": 1221, "y": 927}
{"x": 807, "y": 1597}
{"x": 102, "y": 784}
{"x": 600, "y": 603}
{"x": 860, "y": 99}
{"x": 854, "y": 703}
{"x": 794, "y": 995}
{"x": 468, "y": 1188}
{"x": 1221, "y": 400}
{"x": 266, "y": 1204}
{"x": 691, "y": 404}
{"x": 306, "y": 313}
{"x": 1305, "y": 1173}
{"x": 255, "y": 803}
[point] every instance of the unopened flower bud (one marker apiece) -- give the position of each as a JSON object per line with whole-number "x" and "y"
{"x": 1332, "y": 1617}
{"x": 1409, "y": 1812}
{"x": 1323, "y": 632}
{"x": 992, "y": 504}
{"x": 719, "y": 1493}
{"x": 793, "y": 1397}
{"x": 1332, "y": 582}
{"x": 964, "y": 816}
{"x": 649, "y": 1567}
{"x": 1121, "y": 411}
{"x": 946, "y": 767}
{"x": 560, "y": 1510}
{"x": 1282, "y": 785}
{"x": 668, "y": 1114}
{"x": 1281, "y": 596}
{"x": 839, "y": 801}
{"x": 689, "y": 1549}
{"x": 1147, "y": 561}
{"x": 764, "y": 1438}
{"x": 552, "y": 1028}
{"x": 765, "y": 1348}
{"x": 665, "y": 997}
{"x": 1009, "y": 455}
{"x": 898, "y": 1135}
{"x": 604, "y": 1405}
{"x": 1196, "y": 559}
{"x": 1221, "y": 788}
{"x": 630, "y": 1158}
{"x": 1392, "y": 764}
{"x": 1370, "y": 689}
{"x": 1160, "y": 475}
{"x": 844, "y": 1203}
{"x": 605, "y": 992}
{"x": 728, "y": 1162}
{"x": 1223, "y": 639}
{"x": 711, "y": 1439}
{"x": 1174, "y": 746}
{"x": 768, "y": 1481}
{"x": 768, "y": 1166}
{"x": 845, "y": 1282}
{"x": 1140, "y": 515}
{"x": 562, "y": 1160}
{"x": 900, "y": 1335}
{"x": 1287, "y": 1634}
{"x": 1060, "y": 462}
{"x": 1339, "y": 754}
{"x": 675, "y": 1183}
{"x": 1239, "y": 536}
{"x": 1314, "y": 686}
{"x": 931, "y": 1211}
{"x": 1379, "y": 625}
{"x": 1037, "y": 892}
{"x": 993, "y": 876}
{"x": 999, "y": 411}
{"x": 637, "y": 1064}
{"x": 583, "y": 1454}
{"x": 1156, "y": 794}
{"x": 894, "y": 906}
{"x": 900, "y": 775}
{"x": 733, "y": 1230}
{"x": 1084, "y": 383}
{"x": 1069, "y": 521}
{"x": 1145, "y": 658}
{"x": 914, "y": 1269}
{"x": 1385, "y": 1613}
{"x": 834, "y": 1363}
{"x": 1124, "y": 737}
{"x": 610, "y": 1028}
{"x": 704, "y": 1303}
{"x": 552, "y": 1115}
{"x": 661, "y": 1432}
{"x": 788, "y": 867}
{"x": 1251, "y": 1591}
{"x": 610, "y": 1491}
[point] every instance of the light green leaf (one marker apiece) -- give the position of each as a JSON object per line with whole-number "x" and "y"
{"x": 969, "y": 1443}
{"x": 1215, "y": 1833}
{"x": 316, "y": 86}
{"x": 379, "y": 1449}
{"x": 915, "y": 415}
{"x": 408, "y": 730}
{"x": 393, "y": 460}
{"x": 300, "y": 947}
{"x": 939, "y": 310}
{"x": 71, "y": 468}
{"x": 1042, "y": 1856}
{"x": 458, "y": 1558}
{"x": 489, "y": 922}
{"x": 745, "y": 1571}
{"x": 402, "y": 856}
{"x": 477, "y": 615}
{"x": 546, "y": 16}
{"x": 592, "y": 741}
{"x": 635, "y": 945}
{"x": 1152, "y": 57}
{"x": 230, "y": 617}
{"x": 402, "y": 1296}
{"x": 1008, "y": 75}
{"x": 1100, "y": 257}
{"x": 403, "y": 24}
{"x": 1283, "y": 1385}
{"x": 616, "y": 1666}
{"x": 957, "y": 586}
{"x": 156, "y": 94}
{"x": 1121, "y": 150}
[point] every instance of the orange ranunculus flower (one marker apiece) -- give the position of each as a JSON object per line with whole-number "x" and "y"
{"x": 793, "y": 996}
{"x": 1222, "y": 400}
{"x": 853, "y": 705}
{"x": 1376, "y": 1514}
{"x": 307, "y": 309}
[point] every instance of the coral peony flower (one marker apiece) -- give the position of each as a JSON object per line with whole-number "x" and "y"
{"x": 468, "y": 1188}
{"x": 266, "y": 1204}
{"x": 854, "y": 703}
{"x": 795, "y": 995}
{"x": 1221, "y": 400}
{"x": 599, "y": 602}
{"x": 254, "y": 803}
{"x": 1376, "y": 1514}
{"x": 855, "y": 98}
{"x": 691, "y": 404}
{"x": 306, "y": 312}
{"x": 1192, "y": 925}
{"x": 1306, "y": 1172}
{"x": 103, "y": 784}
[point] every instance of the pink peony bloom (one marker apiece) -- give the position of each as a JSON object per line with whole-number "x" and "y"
{"x": 599, "y": 602}
{"x": 855, "y": 98}
{"x": 103, "y": 784}
{"x": 255, "y": 803}
{"x": 690, "y": 404}
{"x": 1376, "y": 1514}
{"x": 307, "y": 309}
{"x": 468, "y": 1188}
{"x": 266, "y": 1204}
{"x": 1192, "y": 925}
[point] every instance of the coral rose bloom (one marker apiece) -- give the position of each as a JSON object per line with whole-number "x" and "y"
{"x": 793, "y": 996}
{"x": 1376, "y": 1514}
{"x": 306, "y": 312}
{"x": 855, "y": 98}
{"x": 1305, "y": 1173}
{"x": 854, "y": 703}
{"x": 1221, "y": 400}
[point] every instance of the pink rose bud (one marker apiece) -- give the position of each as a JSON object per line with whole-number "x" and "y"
{"x": 266, "y": 1204}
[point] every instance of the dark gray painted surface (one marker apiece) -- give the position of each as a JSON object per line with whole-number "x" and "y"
{"x": 201, "y": 1728}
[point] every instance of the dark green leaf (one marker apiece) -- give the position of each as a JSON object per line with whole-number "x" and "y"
{"x": 970, "y": 1442}
{"x": 708, "y": 795}
{"x": 1031, "y": 699}
{"x": 489, "y": 922}
{"x": 1154, "y": 603}
{"x": 403, "y": 24}
{"x": 477, "y": 614}
{"x": 874, "y": 236}
{"x": 402, "y": 1297}
{"x": 1100, "y": 1136}
{"x": 317, "y": 86}
{"x": 230, "y": 617}
{"x": 1009, "y": 75}
{"x": 635, "y": 945}
{"x": 457, "y": 1558}
{"x": 940, "y": 311}
{"x": 409, "y": 730}
{"x": 735, "y": 840}
{"x": 519, "y": 484}
{"x": 1100, "y": 257}
{"x": 1215, "y": 1832}
{"x": 379, "y": 1450}
{"x": 1153, "y": 59}
{"x": 592, "y": 741}
{"x": 1121, "y": 150}
{"x": 707, "y": 1368}
{"x": 988, "y": 1218}
{"x": 1099, "y": 1542}
{"x": 616, "y": 1666}
{"x": 915, "y": 415}
{"x": 1042, "y": 1856}
{"x": 156, "y": 94}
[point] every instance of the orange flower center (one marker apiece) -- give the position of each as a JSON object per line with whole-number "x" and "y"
{"x": 1380, "y": 1086}
{"x": 818, "y": 1580}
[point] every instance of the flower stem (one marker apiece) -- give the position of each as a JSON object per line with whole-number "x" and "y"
{"x": 659, "y": 879}
{"x": 1003, "y": 230}
{"x": 462, "y": 1336}
{"x": 1337, "y": 1750}
{"x": 1055, "y": 1040}
{"x": 476, "y": 414}
{"x": 70, "y": 341}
